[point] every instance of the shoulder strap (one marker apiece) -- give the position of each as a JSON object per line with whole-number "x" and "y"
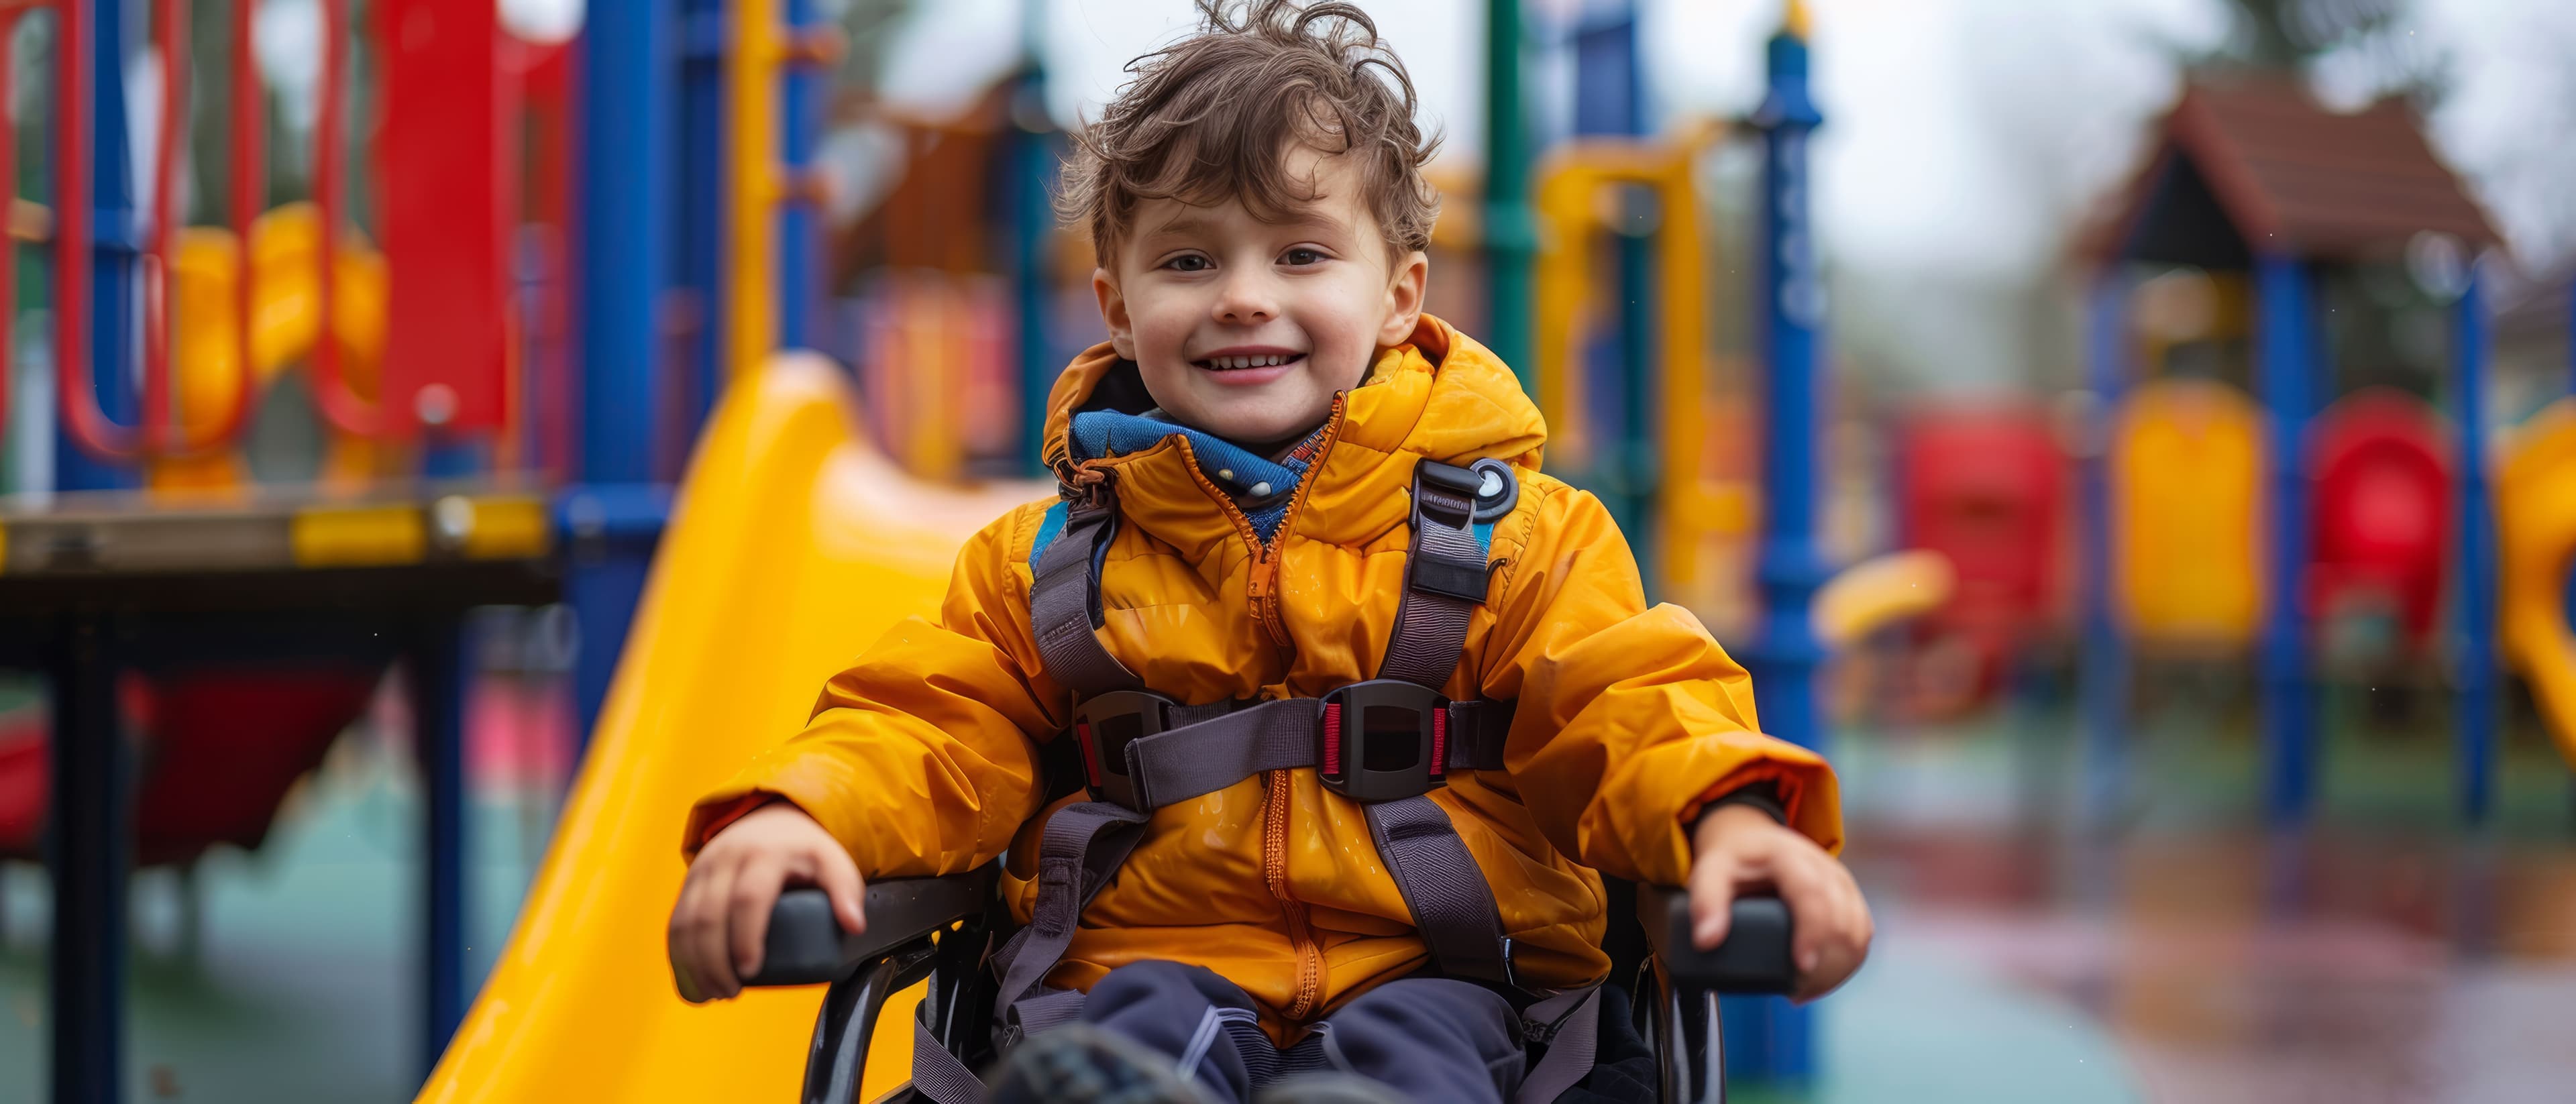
{"x": 1064, "y": 599}
{"x": 1444, "y": 577}
{"x": 1451, "y": 901}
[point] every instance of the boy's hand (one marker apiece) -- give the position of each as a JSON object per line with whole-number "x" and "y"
{"x": 721, "y": 922}
{"x": 1737, "y": 846}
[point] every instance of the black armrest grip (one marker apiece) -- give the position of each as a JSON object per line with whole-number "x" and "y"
{"x": 1754, "y": 958}
{"x": 806, "y": 945}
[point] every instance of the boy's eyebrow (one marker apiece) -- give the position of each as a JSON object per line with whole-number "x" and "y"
{"x": 1196, "y": 221}
{"x": 1187, "y": 222}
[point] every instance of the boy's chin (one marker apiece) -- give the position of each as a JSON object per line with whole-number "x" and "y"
{"x": 1261, "y": 427}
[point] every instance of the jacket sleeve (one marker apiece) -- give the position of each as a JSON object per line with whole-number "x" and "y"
{"x": 1630, "y": 719}
{"x": 918, "y": 757}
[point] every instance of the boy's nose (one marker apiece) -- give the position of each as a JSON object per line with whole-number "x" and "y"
{"x": 1245, "y": 300}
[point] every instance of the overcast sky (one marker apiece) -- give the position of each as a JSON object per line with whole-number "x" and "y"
{"x": 1961, "y": 133}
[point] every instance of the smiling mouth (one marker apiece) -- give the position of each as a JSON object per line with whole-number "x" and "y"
{"x": 1235, "y": 363}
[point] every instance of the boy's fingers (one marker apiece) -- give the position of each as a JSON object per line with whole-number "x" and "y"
{"x": 840, "y": 880}
{"x": 708, "y": 958}
{"x": 1831, "y": 945}
{"x": 1713, "y": 882}
{"x": 1810, "y": 896}
{"x": 747, "y": 913}
{"x": 676, "y": 940}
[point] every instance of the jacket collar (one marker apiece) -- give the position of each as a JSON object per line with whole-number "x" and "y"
{"x": 1439, "y": 395}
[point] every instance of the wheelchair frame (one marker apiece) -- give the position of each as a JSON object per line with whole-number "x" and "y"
{"x": 940, "y": 930}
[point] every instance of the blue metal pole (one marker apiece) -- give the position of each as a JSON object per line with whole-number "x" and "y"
{"x": 92, "y": 838}
{"x": 1033, "y": 225}
{"x": 1034, "y": 222}
{"x": 799, "y": 229}
{"x": 697, "y": 214}
{"x": 626, "y": 163}
{"x": 1792, "y": 564}
{"x": 2477, "y": 705}
{"x": 113, "y": 33}
{"x": 2106, "y": 658}
{"x": 627, "y": 169}
{"x": 2288, "y": 363}
{"x": 439, "y": 669}
{"x": 1792, "y": 561}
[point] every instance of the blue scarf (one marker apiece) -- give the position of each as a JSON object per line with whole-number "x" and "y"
{"x": 1262, "y": 486}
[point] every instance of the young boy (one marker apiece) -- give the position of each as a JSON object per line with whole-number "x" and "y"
{"x": 1268, "y": 498}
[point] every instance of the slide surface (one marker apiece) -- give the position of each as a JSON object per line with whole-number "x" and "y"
{"x": 2535, "y": 502}
{"x": 794, "y": 545}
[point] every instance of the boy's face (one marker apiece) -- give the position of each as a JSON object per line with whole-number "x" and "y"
{"x": 1245, "y": 329}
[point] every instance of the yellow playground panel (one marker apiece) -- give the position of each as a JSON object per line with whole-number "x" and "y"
{"x": 793, "y": 545}
{"x": 286, "y": 325}
{"x": 2186, "y": 477}
{"x": 1701, "y": 515}
{"x": 2535, "y": 502}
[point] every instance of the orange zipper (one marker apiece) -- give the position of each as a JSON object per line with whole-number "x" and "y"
{"x": 1264, "y": 596}
{"x": 1274, "y": 869}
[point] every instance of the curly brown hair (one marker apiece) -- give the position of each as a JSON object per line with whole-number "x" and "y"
{"x": 1212, "y": 117}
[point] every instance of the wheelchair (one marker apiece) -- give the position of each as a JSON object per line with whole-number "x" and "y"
{"x": 940, "y": 930}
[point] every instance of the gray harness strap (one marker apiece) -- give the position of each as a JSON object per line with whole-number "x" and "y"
{"x": 1569, "y": 1023}
{"x": 937, "y": 1074}
{"x": 1191, "y": 751}
{"x": 1199, "y": 759}
{"x": 1452, "y": 904}
{"x": 1444, "y": 583}
{"x": 1083, "y": 845}
{"x": 1064, "y": 602}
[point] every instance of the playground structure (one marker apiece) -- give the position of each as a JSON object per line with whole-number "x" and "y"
{"x": 507, "y": 422}
{"x": 2334, "y": 500}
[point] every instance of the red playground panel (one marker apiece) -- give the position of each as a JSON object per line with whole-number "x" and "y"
{"x": 2383, "y": 509}
{"x": 1985, "y": 486}
{"x": 22, "y": 780}
{"x": 221, "y": 749}
{"x": 448, "y": 151}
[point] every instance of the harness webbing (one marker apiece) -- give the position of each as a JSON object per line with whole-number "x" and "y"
{"x": 1064, "y": 601}
{"x": 1452, "y": 904}
{"x": 1196, "y": 750}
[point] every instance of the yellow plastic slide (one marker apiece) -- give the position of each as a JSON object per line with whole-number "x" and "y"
{"x": 794, "y": 545}
{"x": 2535, "y": 501}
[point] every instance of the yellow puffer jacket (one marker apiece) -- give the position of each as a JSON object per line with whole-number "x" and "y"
{"x": 922, "y": 756}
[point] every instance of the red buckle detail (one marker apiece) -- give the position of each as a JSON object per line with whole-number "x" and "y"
{"x": 1333, "y": 738}
{"x": 1090, "y": 760}
{"x": 1439, "y": 742}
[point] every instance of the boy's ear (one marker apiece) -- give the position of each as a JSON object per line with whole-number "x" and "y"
{"x": 1113, "y": 313}
{"x": 1404, "y": 299}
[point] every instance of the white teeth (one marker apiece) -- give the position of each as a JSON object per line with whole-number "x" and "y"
{"x": 1265, "y": 360}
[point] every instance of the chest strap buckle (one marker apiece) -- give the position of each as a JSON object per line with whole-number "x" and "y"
{"x": 1104, "y": 725}
{"x": 1383, "y": 740}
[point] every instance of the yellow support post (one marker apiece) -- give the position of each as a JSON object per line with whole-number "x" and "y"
{"x": 1691, "y": 508}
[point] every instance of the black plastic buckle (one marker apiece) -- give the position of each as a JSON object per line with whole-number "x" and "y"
{"x": 1383, "y": 740}
{"x": 1104, "y": 726}
{"x": 1462, "y": 482}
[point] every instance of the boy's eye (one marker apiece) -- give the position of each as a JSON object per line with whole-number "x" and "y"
{"x": 1187, "y": 262}
{"x": 1303, "y": 256}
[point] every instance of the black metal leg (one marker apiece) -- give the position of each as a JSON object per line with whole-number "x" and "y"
{"x": 438, "y": 672}
{"x": 91, "y": 843}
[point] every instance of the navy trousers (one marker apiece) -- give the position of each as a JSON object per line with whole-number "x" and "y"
{"x": 1426, "y": 1038}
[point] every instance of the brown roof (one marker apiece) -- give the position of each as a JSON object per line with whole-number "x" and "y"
{"x": 2286, "y": 173}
